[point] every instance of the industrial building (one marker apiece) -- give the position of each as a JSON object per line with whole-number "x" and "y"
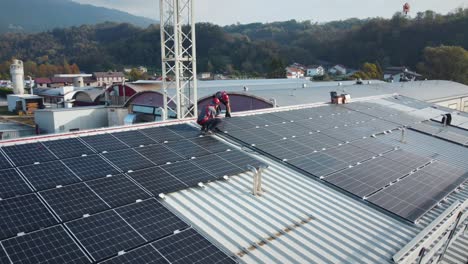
{"x": 278, "y": 210}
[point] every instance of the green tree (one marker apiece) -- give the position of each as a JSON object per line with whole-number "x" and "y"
{"x": 277, "y": 69}
{"x": 136, "y": 75}
{"x": 445, "y": 62}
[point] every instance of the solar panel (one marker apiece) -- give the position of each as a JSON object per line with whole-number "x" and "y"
{"x": 276, "y": 150}
{"x": 427, "y": 128}
{"x": 247, "y": 136}
{"x": 105, "y": 234}
{"x": 51, "y": 245}
{"x": 28, "y": 153}
{"x": 4, "y": 163}
{"x": 185, "y": 130}
{"x": 454, "y": 137}
{"x": 406, "y": 158}
{"x": 161, "y": 134}
{"x": 413, "y": 196}
{"x": 157, "y": 181}
{"x": 128, "y": 159}
{"x": 188, "y": 173}
{"x": 159, "y": 154}
{"x": 23, "y": 214}
{"x": 318, "y": 164}
{"x": 349, "y": 154}
{"x": 104, "y": 142}
{"x": 48, "y": 175}
{"x": 73, "y": 201}
{"x": 146, "y": 254}
{"x": 217, "y": 166}
{"x": 295, "y": 146}
{"x": 117, "y": 190}
{"x": 68, "y": 148}
{"x": 369, "y": 177}
{"x": 134, "y": 138}
{"x": 189, "y": 247}
{"x": 11, "y": 184}
{"x": 210, "y": 144}
{"x": 187, "y": 149}
{"x": 240, "y": 159}
{"x": 3, "y": 256}
{"x": 373, "y": 145}
{"x": 90, "y": 167}
{"x": 151, "y": 219}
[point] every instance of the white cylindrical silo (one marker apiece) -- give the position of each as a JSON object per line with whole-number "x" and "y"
{"x": 17, "y": 76}
{"x": 78, "y": 81}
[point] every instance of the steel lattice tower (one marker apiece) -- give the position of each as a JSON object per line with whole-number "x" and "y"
{"x": 178, "y": 54}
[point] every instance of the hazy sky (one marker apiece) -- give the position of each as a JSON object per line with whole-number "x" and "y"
{"x": 225, "y": 12}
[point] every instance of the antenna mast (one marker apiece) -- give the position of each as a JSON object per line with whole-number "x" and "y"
{"x": 178, "y": 54}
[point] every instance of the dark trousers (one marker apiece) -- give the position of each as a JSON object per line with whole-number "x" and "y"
{"x": 211, "y": 124}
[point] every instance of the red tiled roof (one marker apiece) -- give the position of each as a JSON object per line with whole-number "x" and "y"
{"x": 42, "y": 80}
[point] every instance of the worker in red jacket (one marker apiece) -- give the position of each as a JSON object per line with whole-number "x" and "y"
{"x": 223, "y": 97}
{"x": 208, "y": 119}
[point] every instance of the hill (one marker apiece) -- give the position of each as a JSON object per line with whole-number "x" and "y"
{"x": 42, "y": 15}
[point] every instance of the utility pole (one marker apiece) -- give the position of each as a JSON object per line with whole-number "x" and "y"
{"x": 178, "y": 54}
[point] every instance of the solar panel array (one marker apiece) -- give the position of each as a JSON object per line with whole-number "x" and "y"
{"x": 452, "y": 134}
{"x": 337, "y": 145}
{"x": 98, "y": 202}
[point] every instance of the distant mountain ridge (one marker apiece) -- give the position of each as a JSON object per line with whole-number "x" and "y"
{"x": 31, "y": 16}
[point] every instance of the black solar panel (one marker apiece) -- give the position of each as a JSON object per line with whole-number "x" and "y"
{"x": 373, "y": 145}
{"x": 454, "y": 137}
{"x": 90, "y": 167}
{"x": 48, "y": 175}
{"x": 217, "y": 166}
{"x": 28, "y": 153}
{"x": 23, "y": 214}
{"x": 295, "y": 146}
{"x": 187, "y": 149}
{"x": 188, "y": 173}
{"x": 349, "y": 154}
{"x": 161, "y": 134}
{"x": 117, "y": 190}
{"x": 104, "y": 142}
{"x": 317, "y": 164}
{"x": 407, "y": 158}
{"x": 105, "y": 235}
{"x": 11, "y": 184}
{"x": 51, "y": 245}
{"x": 189, "y": 247}
{"x": 3, "y": 256}
{"x": 159, "y": 154}
{"x": 146, "y": 254}
{"x": 185, "y": 130}
{"x": 4, "y": 164}
{"x": 369, "y": 177}
{"x": 276, "y": 150}
{"x": 128, "y": 159}
{"x": 247, "y": 136}
{"x": 134, "y": 138}
{"x": 240, "y": 159}
{"x": 411, "y": 197}
{"x": 157, "y": 181}
{"x": 151, "y": 219}
{"x": 210, "y": 144}
{"x": 74, "y": 201}
{"x": 68, "y": 148}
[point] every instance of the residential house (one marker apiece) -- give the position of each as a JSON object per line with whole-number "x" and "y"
{"x": 400, "y": 74}
{"x": 337, "y": 70}
{"x": 205, "y": 76}
{"x": 56, "y": 82}
{"x": 107, "y": 78}
{"x": 294, "y": 73}
{"x": 315, "y": 70}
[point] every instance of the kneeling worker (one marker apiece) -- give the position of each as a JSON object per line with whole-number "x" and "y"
{"x": 208, "y": 119}
{"x": 223, "y": 97}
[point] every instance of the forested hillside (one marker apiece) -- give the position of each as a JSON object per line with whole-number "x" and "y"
{"x": 253, "y": 49}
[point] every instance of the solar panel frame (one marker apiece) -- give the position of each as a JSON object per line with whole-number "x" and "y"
{"x": 159, "y": 154}
{"x": 128, "y": 160}
{"x": 104, "y": 142}
{"x": 134, "y": 138}
{"x": 51, "y": 245}
{"x": 90, "y": 167}
{"x": 73, "y": 201}
{"x": 23, "y": 214}
{"x": 188, "y": 173}
{"x": 105, "y": 234}
{"x": 4, "y": 163}
{"x": 12, "y": 184}
{"x": 48, "y": 175}
{"x": 146, "y": 254}
{"x": 157, "y": 181}
{"x": 68, "y": 148}
{"x": 117, "y": 190}
{"x": 151, "y": 219}
{"x": 188, "y": 247}
{"x": 28, "y": 154}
